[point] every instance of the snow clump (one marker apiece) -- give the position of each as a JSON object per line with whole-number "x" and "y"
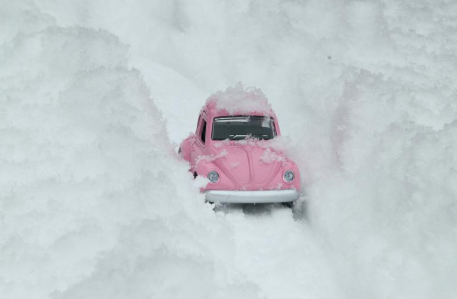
{"x": 240, "y": 101}
{"x": 211, "y": 158}
{"x": 270, "y": 156}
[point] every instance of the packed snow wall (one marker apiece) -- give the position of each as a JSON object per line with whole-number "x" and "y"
{"x": 364, "y": 89}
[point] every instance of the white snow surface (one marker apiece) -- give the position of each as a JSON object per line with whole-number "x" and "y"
{"x": 95, "y": 95}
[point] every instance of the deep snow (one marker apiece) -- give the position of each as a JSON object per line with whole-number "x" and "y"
{"x": 94, "y": 203}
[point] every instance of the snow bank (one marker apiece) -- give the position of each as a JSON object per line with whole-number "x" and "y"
{"x": 93, "y": 203}
{"x": 387, "y": 209}
{"x": 379, "y": 151}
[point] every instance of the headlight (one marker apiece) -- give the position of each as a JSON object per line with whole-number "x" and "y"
{"x": 213, "y": 177}
{"x": 289, "y": 176}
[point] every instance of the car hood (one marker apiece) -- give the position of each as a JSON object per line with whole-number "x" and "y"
{"x": 251, "y": 167}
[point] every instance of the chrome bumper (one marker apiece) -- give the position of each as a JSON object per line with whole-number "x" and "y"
{"x": 270, "y": 196}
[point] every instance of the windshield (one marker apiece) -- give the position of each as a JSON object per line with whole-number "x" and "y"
{"x": 240, "y": 127}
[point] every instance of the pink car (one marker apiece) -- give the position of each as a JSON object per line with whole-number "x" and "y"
{"x": 234, "y": 148}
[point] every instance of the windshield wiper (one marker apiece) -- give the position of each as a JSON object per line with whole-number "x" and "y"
{"x": 236, "y": 136}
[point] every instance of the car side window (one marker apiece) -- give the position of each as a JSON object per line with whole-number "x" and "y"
{"x": 203, "y": 131}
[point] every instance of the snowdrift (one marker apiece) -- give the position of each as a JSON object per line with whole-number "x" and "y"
{"x": 93, "y": 202}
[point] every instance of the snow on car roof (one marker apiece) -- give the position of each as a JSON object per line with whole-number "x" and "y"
{"x": 238, "y": 100}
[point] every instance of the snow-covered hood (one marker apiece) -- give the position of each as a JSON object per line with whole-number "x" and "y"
{"x": 247, "y": 167}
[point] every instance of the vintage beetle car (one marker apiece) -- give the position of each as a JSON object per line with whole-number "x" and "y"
{"x": 233, "y": 148}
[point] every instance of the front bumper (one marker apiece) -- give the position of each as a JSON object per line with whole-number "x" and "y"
{"x": 270, "y": 196}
